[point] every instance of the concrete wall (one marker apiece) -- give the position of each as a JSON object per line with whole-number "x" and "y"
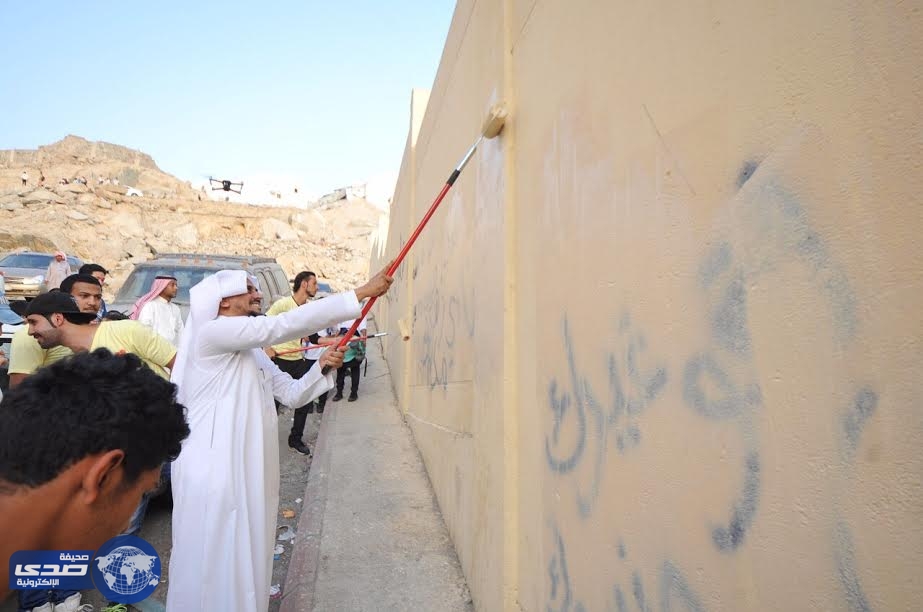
{"x": 665, "y": 334}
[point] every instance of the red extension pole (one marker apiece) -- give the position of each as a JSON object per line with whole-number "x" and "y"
{"x": 411, "y": 240}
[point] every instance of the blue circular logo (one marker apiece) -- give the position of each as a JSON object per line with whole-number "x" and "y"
{"x": 126, "y": 569}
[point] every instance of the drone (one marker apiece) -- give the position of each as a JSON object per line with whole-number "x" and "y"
{"x": 225, "y": 185}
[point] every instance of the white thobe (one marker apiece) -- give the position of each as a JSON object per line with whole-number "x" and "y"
{"x": 57, "y": 271}
{"x": 163, "y": 317}
{"x": 226, "y": 479}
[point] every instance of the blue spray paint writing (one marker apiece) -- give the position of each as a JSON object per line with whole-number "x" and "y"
{"x": 631, "y": 390}
{"x": 674, "y": 593}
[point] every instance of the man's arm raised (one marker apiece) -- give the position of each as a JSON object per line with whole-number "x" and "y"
{"x": 377, "y": 286}
{"x": 229, "y": 334}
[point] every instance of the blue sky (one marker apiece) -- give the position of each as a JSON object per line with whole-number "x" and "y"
{"x": 319, "y": 90}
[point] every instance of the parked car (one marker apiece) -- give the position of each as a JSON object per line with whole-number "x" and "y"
{"x": 24, "y": 273}
{"x": 190, "y": 268}
{"x": 324, "y": 289}
{"x": 9, "y": 323}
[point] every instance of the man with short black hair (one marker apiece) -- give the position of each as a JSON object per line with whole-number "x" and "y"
{"x": 121, "y": 423}
{"x": 304, "y": 287}
{"x": 86, "y": 290}
{"x": 95, "y": 270}
{"x": 28, "y": 357}
{"x": 99, "y": 273}
{"x": 55, "y": 320}
{"x": 26, "y": 354}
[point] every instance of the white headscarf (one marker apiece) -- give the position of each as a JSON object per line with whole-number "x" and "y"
{"x": 204, "y": 299}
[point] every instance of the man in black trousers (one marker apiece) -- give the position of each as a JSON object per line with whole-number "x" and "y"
{"x": 294, "y": 363}
{"x": 353, "y": 358}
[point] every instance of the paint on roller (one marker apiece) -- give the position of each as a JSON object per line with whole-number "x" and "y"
{"x": 495, "y": 121}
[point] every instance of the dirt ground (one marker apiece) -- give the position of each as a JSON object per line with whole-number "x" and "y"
{"x": 156, "y": 529}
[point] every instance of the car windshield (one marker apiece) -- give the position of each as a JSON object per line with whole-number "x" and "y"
{"x": 26, "y": 260}
{"x": 141, "y": 280}
{"x": 33, "y": 260}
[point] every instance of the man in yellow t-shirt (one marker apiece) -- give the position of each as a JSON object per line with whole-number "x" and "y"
{"x": 26, "y": 355}
{"x": 134, "y": 337}
{"x": 55, "y": 320}
{"x": 293, "y": 363}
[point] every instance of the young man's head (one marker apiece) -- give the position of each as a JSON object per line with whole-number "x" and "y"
{"x": 59, "y": 256}
{"x": 96, "y": 271}
{"x": 80, "y": 441}
{"x": 48, "y": 316}
{"x": 305, "y": 285}
{"x": 245, "y": 304}
{"x": 171, "y": 288}
{"x": 86, "y": 290}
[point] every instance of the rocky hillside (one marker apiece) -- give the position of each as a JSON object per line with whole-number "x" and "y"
{"x": 99, "y": 223}
{"x": 75, "y": 157}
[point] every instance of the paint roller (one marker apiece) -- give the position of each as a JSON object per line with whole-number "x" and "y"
{"x": 492, "y": 126}
{"x": 405, "y": 331}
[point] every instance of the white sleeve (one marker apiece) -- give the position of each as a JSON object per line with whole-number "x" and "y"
{"x": 296, "y": 392}
{"x": 146, "y": 315}
{"x": 179, "y": 326}
{"x": 229, "y": 334}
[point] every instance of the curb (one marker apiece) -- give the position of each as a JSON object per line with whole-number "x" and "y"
{"x": 300, "y": 579}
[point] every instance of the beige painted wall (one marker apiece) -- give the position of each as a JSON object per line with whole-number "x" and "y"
{"x": 665, "y": 343}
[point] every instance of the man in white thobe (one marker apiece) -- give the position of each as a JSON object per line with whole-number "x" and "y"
{"x": 57, "y": 271}
{"x": 226, "y": 479}
{"x": 157, "y": 310}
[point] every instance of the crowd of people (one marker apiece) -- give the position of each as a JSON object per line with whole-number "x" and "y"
{"x": 81, "y": 180}
{"x": 103, "y": 407}
{"x": 297, "y": 357}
